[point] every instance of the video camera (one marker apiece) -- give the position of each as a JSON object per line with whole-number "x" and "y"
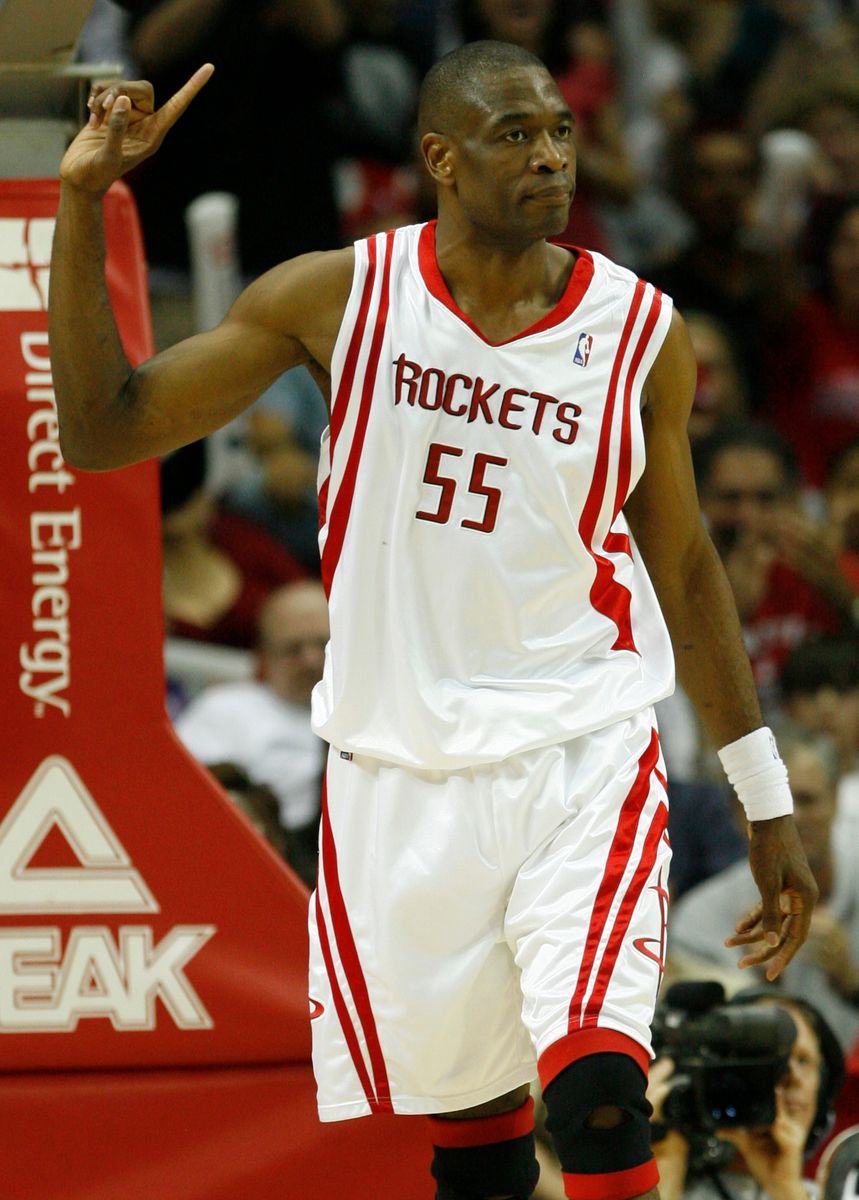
{"x": 728, "y": 1058}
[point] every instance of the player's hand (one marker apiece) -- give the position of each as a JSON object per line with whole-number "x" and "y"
{"x": 124, "y": 128}
{"x": 788, "y": 895}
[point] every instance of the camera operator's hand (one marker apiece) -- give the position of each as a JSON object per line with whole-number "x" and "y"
{"x": 788, "y": 895}
{"x": 773, "y": 1156}
{"x": 671, "y": 1151}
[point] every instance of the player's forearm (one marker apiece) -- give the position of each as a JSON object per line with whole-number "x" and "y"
{"x": 712, "y": 664}
{"x": 90, "y": 369}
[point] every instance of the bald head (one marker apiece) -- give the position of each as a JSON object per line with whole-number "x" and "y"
{"x": 456, "y": 81}
{"x": 293, "y": 631}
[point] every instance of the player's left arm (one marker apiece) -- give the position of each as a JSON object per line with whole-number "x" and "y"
{"x": 699, "y": 609}
{"x": 691, "y": 584}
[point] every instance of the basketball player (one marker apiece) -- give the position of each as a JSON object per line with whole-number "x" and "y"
{"x": 494, "y": 863}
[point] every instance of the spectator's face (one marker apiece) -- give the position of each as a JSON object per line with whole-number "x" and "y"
{"x": 721, "y": 182}
{"x": 835, "y": 128}
{"x": 294, "y": 633}
{"x": 719, "y": 391}
{"x": 831, "y": 712}
{"x": 800, "y": 1084}
{"x": 743, "y": 495}
{"x": 522, "y": 22}
{"x": 794, "y": 12}
{"x": 842, "y": 501}
{"x": 190, "y": 520}
{"x": 813, "y": 804}
{"x": 844, "y": 262}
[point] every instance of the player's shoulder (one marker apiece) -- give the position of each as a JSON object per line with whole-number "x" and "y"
{"x": 306, "y": 293}
{"x": 616, "y": 275}
{"x": 328, "y": 268}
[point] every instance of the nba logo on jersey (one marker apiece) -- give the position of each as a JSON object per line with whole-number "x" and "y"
{"x": 583, "y": 350}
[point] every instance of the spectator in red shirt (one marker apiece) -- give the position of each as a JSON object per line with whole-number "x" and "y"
{"x": 748, "y": 481}
{"x": 814, "y": 364}
{"x": 218, "y": 566}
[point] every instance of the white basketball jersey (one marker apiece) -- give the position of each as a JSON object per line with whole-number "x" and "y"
{"x": 485, "y": 594}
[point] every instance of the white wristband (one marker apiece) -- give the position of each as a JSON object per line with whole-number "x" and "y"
{"x": 758, "y": 775}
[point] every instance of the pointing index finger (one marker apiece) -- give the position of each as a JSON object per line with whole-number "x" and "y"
{"x": 170, "y": 112}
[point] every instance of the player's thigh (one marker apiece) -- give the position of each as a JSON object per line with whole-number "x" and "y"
{"x": 587, "y": 914}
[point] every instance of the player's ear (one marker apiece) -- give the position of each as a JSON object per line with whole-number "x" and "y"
{"x": 438, "y": 156}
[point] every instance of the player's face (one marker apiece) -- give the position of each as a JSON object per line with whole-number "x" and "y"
{"x": 513, "y": 158}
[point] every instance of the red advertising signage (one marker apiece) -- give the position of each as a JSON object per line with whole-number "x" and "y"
{"x": 144, "y": 925}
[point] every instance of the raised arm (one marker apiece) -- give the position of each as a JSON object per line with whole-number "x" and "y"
{"x": 712, "y": 664}
{"x": 112, "y": 415}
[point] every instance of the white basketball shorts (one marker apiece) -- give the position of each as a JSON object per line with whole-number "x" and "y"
{"x": 470, "y": 924}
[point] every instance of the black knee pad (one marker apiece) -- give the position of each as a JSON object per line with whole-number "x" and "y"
{"x": 588, "y": 1083}
{"x": 475, "y": 1172}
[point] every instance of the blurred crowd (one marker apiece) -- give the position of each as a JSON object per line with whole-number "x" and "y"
{"x": 718, "y": 156}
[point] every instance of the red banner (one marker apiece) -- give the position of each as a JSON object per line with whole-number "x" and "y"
{"x": 143, "y": 921}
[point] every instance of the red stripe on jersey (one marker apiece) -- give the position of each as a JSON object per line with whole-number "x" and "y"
{"x": 345, "y": 493}
{"x": 614, "y": 598}
{"x": 620, "y": 599}
{"x": 613, "y": 1185}
{"x": 578, "y": 283}
{"x": 573, "y": 1046}
{"x": 624, "y": 915}
{"x": 456, "y": 1133}
{"x": 624, "y": 465}
{"x": 350, "y": 960}
{"x": 341, "y": 1009}
{"x": 616, "y": 863}
{"x": 323, "y": 501}
{"x": 340, "y": 402}
{"x": 608, "y": 596}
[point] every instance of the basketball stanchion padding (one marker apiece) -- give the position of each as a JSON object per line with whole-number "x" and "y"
{"x": 146, "y": 930}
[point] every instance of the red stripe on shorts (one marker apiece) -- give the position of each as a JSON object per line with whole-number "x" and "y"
{"x": 616, "y": 863}
{"x": 573, "y": 1046}
{"x": 343, "y": 500}
{"x": 350, "y": 960}
{"x": 341, "y": 1009}
{"x": 613, "y": 1185}
{"x": 459, "y": 1132}
{"x": 624, "y": 915}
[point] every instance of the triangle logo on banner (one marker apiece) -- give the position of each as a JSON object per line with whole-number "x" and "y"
{"x": 56, "y": 804}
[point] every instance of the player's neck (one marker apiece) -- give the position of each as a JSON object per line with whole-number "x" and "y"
{"x": 488, "y": 279}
